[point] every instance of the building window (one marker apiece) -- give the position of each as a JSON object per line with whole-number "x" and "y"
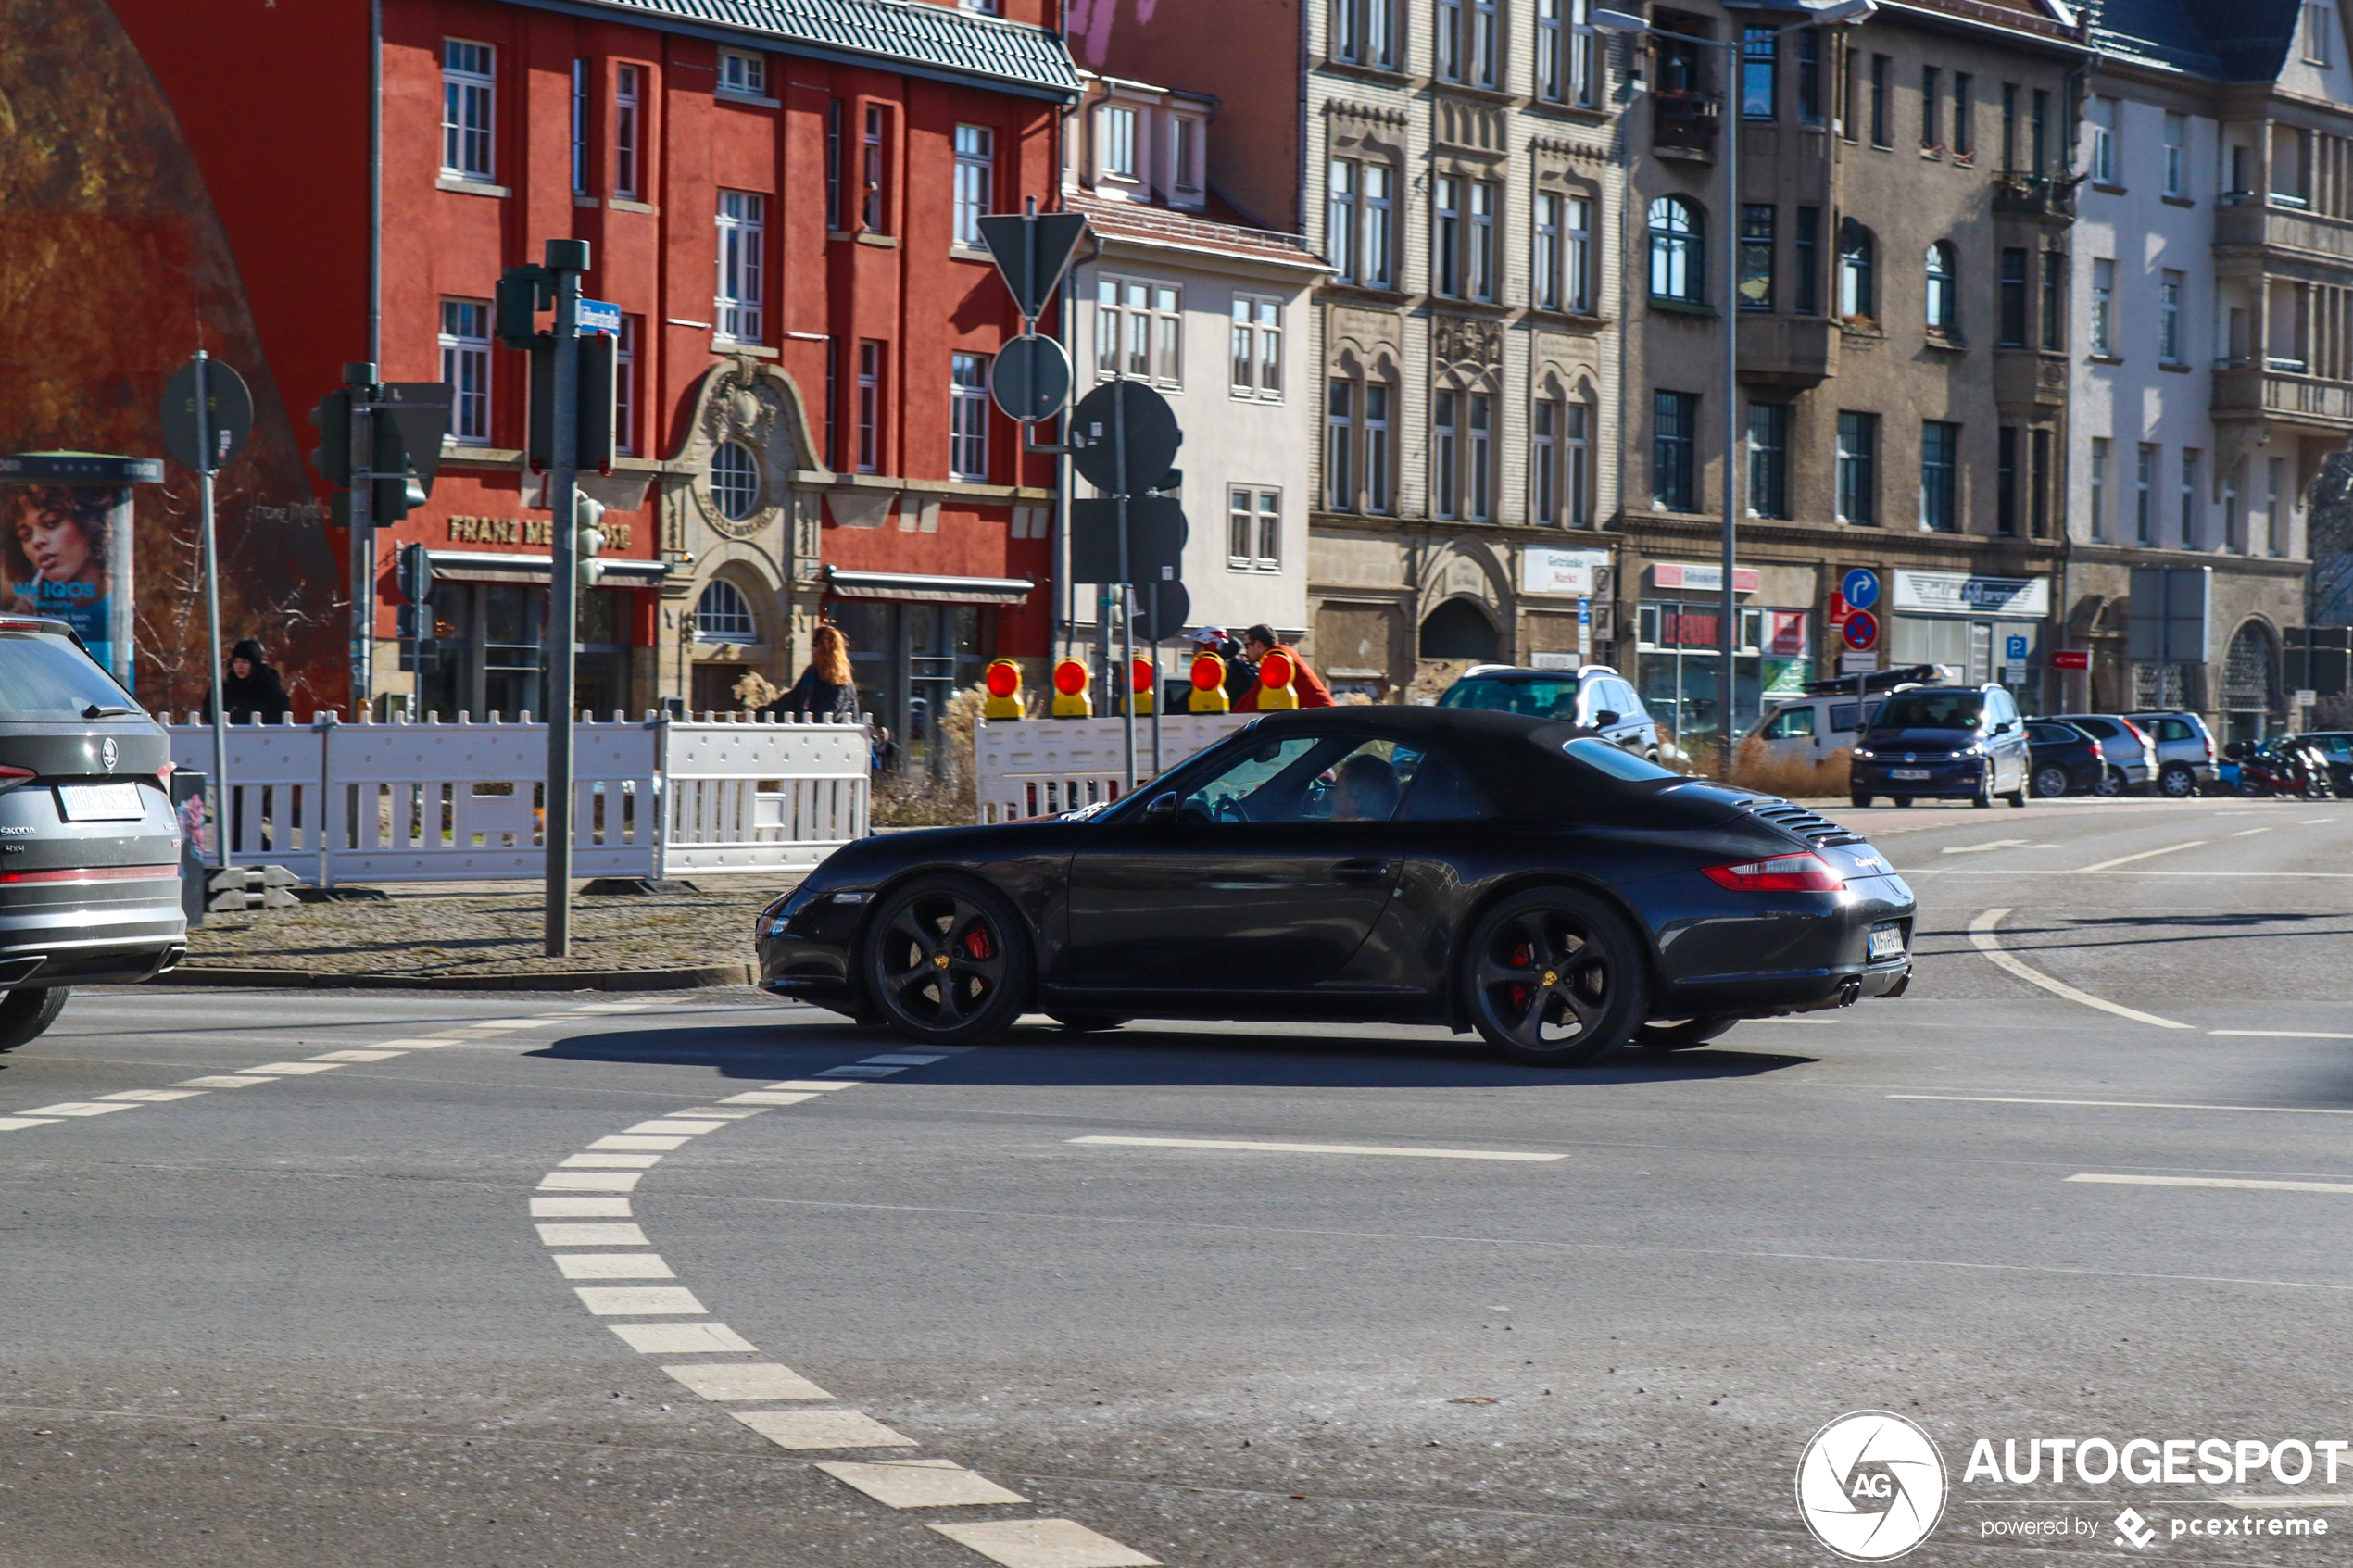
{"x": 1357, "y": 222}
{"x": 2276, "y": 508}
{"x": 1964, "y": 120}
{"x": 579, "y": 128}
{"x": 1561, "y": 253}
{"x": 2144, "y": 495}
{"x": 743, "y": 72}
{"x": 1760, "y": 65}
{"x": 1139, "y": 330}
{"x": 1544, "y": 461}
{"x": 1679, "y": 251}
{"x": 2041, "y": 131}
{"x": 1339, "y": 445}
{"x": 465, "y": 365}
{"x": 1119, "y": 141}
{"x": 1487, "y": 43}
{"x": 1944, "y": 292}
{"x": 1340, "y": 218}
{"x": 1184, "y": 161}
{"x": 2320, "y": 21}
{"x": 2103, "y": 307}
{"x": 985, "y": 8}
{"x": 1577, "y": 462}
{"x": 871, "y": 207}
{"x": 1756, "y": 257}
{"x": 2005, "y": 481}
{"x": 2009, "y": 126}
{"x": 1674, "y": 432}
{"x": 2098, "y": 482}
{"x": 735, "y": 480}
{"x": 975, "y": 180}
{"x": 836, "y": 110}
{"x": 1377, "y": 447}
{"x": 2013, "y": 298}
{"x": 1768, "y": 459}
{"x": 1257, "y": 347}
{"x": 1442, "y": 453}
{"x": 1881, "y": 136}
{"x": 1850, "y": 124}
{"x": 869, "y": 355}
{"x": 1253, "y": 529}
{"x": 625, "y": 385}
{"x": 1485, "y": 199}
{"x": 968, "y": 417}
{"x": 1565, "y": 53}
{"x": 628, "y": 109}
{"x": 1544, "y": 252}
{"x": 1446, "y": 235}
{"x": 468, "y": 96}
{"x": 1363, "y": 30}
{"x": 2103, "y": 121}
{"x": 1480, "y": 459}
{"x": 743, "y": 225}
{"x": 1809, "y": 77}
{"x": 1858, "y": 469}
{"x": 1931, "y": 126}
{"x": 1806, "y": 252}
{"x": 832, "y": 401}
{"x": 2038, "y": 479}
{"x": 2169, "y": 317}
{"x": 721, "y": 613}
{"x": 2193, "y": 504}
{"x": 1858, "y": 273}
{"x": 1576, "y": 257}
{"x": 2053, "y": 300}
{"x": 2233, "y": 520}
{"x": 1451, "y": 50}
{"x": 2177, "y": 135}
{"x": 1940, "y": 476}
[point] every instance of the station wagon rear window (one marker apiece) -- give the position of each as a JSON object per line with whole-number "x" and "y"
{"x": 44, "y": 678}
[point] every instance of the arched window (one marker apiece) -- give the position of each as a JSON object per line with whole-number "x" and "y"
{"x": 1457, "y": 629}
{"x": 1944, "y": 292}
{"x": 723, "y": 615}
{"x": 1679, "y": 250}
{"x": 735, "y": 478}
{"x": 1857, "y": 270}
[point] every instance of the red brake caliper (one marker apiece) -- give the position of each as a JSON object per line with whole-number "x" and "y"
{"x": 1522, "y": 955}
{"x": 976, "y": 945}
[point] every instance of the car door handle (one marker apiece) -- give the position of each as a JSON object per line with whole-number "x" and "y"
{"x": 1361, "y": 871}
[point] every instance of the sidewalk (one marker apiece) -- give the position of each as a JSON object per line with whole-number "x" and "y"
{"x": 488, "y": 935}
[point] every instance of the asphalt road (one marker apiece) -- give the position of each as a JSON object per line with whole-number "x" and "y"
{"x": 313, "y": 1319}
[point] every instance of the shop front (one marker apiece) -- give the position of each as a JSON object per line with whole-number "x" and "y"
{"x": 1678, "y": 649}
{"x": 1977, "y": 628}
{"x": 490, "y": 625}
{"x": 914, "y": 642}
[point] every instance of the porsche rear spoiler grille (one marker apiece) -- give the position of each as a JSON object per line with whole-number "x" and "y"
{"x": 1793, "y": 818}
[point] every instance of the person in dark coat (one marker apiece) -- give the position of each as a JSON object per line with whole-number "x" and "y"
{"x": 253, "y": 693}
{"x": 825, "y": 688}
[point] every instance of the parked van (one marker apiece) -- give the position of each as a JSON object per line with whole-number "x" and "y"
{"x": 1810, "y": 728}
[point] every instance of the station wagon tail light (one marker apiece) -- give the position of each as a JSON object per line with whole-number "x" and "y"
{"x": 1783, "y": 873}
{"x": 2097, "y": 755}
{"x": 164, "y": 772}
{"x": 11, "y": 777}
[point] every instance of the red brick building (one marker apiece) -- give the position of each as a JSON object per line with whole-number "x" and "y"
{"x": 781, "y": 207}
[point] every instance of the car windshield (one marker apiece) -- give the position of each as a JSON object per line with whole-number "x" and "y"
{"x": 1535, "y": 699}
{"x": 1614, "y": 760}
{"x": 44, "y": 677}
{"x": 1931, "y": 710}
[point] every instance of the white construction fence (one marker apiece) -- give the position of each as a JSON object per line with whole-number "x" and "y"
{"x": 339, "y": 803}
{"x": 1027, "y": 768}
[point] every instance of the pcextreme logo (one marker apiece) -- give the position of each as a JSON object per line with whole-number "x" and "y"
{"x": 1871, "y": 1485}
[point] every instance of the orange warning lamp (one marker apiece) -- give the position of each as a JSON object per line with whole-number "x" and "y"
{"x": 1209, "y": 686}
{"x": 1004, "y": 691}
{"x": 1276, "y": 672}
{"x": 1140, "y": 681}
{"x": 1071, "y": 700}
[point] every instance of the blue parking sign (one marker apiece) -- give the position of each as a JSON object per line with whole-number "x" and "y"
{"x": 2015, "y": 650}
{"x": 1860, "y": 590}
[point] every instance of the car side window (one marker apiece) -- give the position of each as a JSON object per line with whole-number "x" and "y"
{"x": 2050, "y": 734}
{"x": 1438, "y": 791}
{"x": 2174, "y": 729}
{"x": 1248, "y": 785}
{"x": 1629, "y": 705}
{"x": 2000, "y": 708}
{"x": 1795, "y": 723}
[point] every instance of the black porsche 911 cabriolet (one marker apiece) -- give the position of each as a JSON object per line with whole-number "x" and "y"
{"x": 1411, "y": 865}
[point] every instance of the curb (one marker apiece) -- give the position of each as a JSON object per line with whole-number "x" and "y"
{"x": 549, "y": 980}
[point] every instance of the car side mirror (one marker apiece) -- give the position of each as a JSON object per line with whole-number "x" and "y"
{"x": 1607, "y": 716}
{"x": 1161, "y": 809}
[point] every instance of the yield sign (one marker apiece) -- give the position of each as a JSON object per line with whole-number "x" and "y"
{"x": 1032, "y": 251}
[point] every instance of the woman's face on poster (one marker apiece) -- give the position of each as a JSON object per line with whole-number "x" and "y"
{"x": 57, "y": 546}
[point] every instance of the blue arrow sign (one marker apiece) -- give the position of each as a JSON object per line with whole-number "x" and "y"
{"x": 600, "y": 316}
{"x": 1860, "y": 589}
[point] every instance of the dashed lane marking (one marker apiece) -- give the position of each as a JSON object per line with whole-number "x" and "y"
{"x": 822, "y": 1429}
{"x": 612, "y": 1161}
{"x": 592, "y": 1235}
{"x": 2281, "y": 1033}
{"x": 1044, "y": 1543}
{"x": 682, "y": 1338}
{"x": 612, "y": 1265}
{"x": 17, "y": 1123}
{"x": 745, "y": 1380}
{"x": 2143, "y": 855}
{"x": 624, "y": 1142}
{"x": 2130, "y": 1104}
{"x": 2250, "y": 833}
{"x": 225, "y": 1080}
{"x": 78, "y": 1108}
{"x": 1321, "y": 1149}
{"x": 2260, "y": 1185}
{"x": 661, "y": 1124}
{"x": 806, "y": 1086}
{"x": 919, "y": 1483}
{"x": 578, "y": 1208}
{"x": 639, "y": 1301}
{"x": 153, "y": 1096}
{"x": 292, "y": 1069}
{"x": 765, "y": 1097}
{"x": 357, "y": 1056}
{"x": 1981, "y": 935}
{"x": 2312, "y": 821}
{"x": 860, "y": 1070}
{"x": 591, "y": 1181}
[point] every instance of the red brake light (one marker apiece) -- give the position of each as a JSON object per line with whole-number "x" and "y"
{"x": 164, "y": 772}
{"x": 11, "y": 777}
{"x": 2097, "y": 755}
{"x": 2142, "y": 736}
{"x": 1784, "y": 874}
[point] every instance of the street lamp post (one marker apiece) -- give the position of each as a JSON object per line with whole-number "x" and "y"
{"x": 1728, "y": 227}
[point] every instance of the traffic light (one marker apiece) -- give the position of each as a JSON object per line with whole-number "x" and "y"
{"x": 332, "y": 456}
{"x": 594, "y": 411}
{"x": 522, "y": 293}
{"x": 414, "y": 620}
{"x": 587, "y": 537}
{"x": 397, "y": 488}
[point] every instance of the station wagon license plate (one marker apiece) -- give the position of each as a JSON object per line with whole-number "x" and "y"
{"x": 1887, "y": 942}
{"x": 1907, "y": 773}
{"x": 100, "y": 802}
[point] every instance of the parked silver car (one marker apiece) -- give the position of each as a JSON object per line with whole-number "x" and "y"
{"x": 2185, "y": 752}
{"x": 2131, "y": 752}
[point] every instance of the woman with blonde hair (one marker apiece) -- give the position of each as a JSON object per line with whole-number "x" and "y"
{"x": 825, "y": 688}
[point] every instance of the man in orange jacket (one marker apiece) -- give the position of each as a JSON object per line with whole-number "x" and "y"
{"x": 1257, "y": 643}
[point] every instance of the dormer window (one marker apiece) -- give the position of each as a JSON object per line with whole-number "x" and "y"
{"x": 1184, "y": 161}
{"x": 1119, "y": 142}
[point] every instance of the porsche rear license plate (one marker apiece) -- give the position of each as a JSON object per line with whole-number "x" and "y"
{"x": 100, "y": 802}
{"x": 1887, "y": 942}
{"x": 1907, "y": 773}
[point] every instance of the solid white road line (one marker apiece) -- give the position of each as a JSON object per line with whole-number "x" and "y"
{"x": 681, "y": 1338}
{"x": 579, "y": 1207}
{"x": 2281, "y": 1033}
{"x": 2130, "y": 1104}
{"x": 1321, "y": 1149}
{"x": 822, "y": 1429}
{"x": 2213, "y": 1182}
{"x": 593, "y": 1236}
{"x": 918, "y": 1483}
{"x": 720, "y": 1381}
{"x": 1981, "y": 933}
{"x": 612, "y": 1265}
{"x": 639, "y": 1301}
{"x": 1045, "y": 1543}
{"x": 2143, "y": 855}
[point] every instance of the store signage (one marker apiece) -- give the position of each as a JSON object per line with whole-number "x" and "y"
{"x": 1546, "y": 569}
{"x": 1959, "y": 593}
{"x": 1703, "y": 578}
{"x": 526, "y": 531}
{"x": 2072, "y": 658}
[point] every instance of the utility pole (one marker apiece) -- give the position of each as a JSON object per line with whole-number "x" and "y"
{"x": 567, "y": 260}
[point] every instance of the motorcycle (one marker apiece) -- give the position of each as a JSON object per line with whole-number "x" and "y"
{"x": 2276, "y": 768}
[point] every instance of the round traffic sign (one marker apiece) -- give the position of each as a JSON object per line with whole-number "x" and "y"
{"x": 1030, "y": 379}
{"x": 1861, "y": 629}
{"x": 1160, "y": 610}
{"x": 228, "y": 411}
{"x": 1132, "y": 409}
{"x": 1861, "y": 588}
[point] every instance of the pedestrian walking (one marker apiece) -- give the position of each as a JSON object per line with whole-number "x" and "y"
{"x": 826, "y": 689}
{"x": 252, "y": 693}
{"x": 1260, "y": 641}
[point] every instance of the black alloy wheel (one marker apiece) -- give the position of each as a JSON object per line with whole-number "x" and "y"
{"x": 1552, "y": 976}
{"x": 25, "y": 1013}
{"x": 947, "y": 962}
{"x": 2177, "y": 782}
{"x": 2050, "y": 778}
{"x": 1681, "y": 1033}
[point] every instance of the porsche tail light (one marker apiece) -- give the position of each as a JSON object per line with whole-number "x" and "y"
{"x": 1783, "y": 873}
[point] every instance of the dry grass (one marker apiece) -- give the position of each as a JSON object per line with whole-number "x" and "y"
{"x": 1791, "y": 776}
{"x": 946, "y": 799}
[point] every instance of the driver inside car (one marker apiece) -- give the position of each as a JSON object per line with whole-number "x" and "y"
{"x": 1365, "y": 789}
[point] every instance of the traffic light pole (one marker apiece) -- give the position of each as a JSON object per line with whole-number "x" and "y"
{"x": 360, "y": 380}
{"x": 1126, "y": 677}
{"x": 567, "y": 260}
{"x": 212, "y": 611}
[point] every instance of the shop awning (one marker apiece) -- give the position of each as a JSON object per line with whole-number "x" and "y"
{"x": 484, "y": 566}
{"x": 917, "y": 588}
